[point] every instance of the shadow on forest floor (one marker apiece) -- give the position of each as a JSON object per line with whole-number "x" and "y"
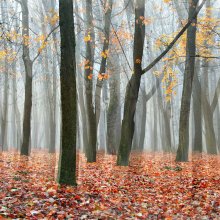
{"x": 152, "y": 187}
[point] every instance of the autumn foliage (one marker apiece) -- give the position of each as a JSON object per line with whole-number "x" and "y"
{"x": 152, "y": 187}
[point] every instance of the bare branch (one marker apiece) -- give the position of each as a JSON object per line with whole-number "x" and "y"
{"x": 46, "y": 39}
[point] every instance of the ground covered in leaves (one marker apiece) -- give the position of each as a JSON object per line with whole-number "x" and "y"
{"x": 152, "y": 187}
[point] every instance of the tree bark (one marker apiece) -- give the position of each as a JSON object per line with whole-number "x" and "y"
{"x": 102, "y": 70}
{"x": 143, "y": 124}
{"x": 80, "y": 88}
{"x": 132, "y": 89}
{"x": 197, "y": 110}
{"x": 90, "y": 47}
{"x": 67, "y": 160}
{"x": 28, "y": 64}
{"x": 183, "y": 148}
{"x": 114, "y": 109}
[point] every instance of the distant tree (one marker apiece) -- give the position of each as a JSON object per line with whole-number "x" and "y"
{"x": 67, "y": 160}
{"x": 4, "y": 123}
{"x": 114, "y": 108}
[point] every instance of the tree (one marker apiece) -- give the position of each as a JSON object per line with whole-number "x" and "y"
{"x": 4, "y": 121}
{"x": 197, "y": 110}
{"x": 90, "y": 50}
{"x": 51, "y": 92}
{"x": 28, "y": 64}
{"x": 114, "y": 108}
{"x": 104, "y": 54}
{"x": 67, "y": 160}
{"x": 132, "y": 91}
{"x": 133, "y": 86}
{"x": 208, "y": 107}
{"x": 182, "y": 152}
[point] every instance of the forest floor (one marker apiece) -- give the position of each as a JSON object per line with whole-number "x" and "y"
{"x": 152, "y": 187}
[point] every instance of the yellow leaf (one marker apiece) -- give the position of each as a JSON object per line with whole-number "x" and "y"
{"x": 90, "y": 76}
{"x": 87, "y": 38}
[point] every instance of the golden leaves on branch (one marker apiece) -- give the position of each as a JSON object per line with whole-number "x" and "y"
{"x": 167, "y": 1}
{"x": 26, "y": 40}
{"x": 104, "y": 54}
{"x": 86, "y": 64}
{"x": 3, "y": 54}
{"x": 103, "y": 76}
{"x": 169, "y": 81}
{"x": 205, "y": 40}
{"x": 52, "y": 18}
{"x": 90, "y": 76}
{"x": 87, "y": 38}
{"x": 8, "y": 54}
{"x": 205, "y": 48}
{"x": 144, "y": 21}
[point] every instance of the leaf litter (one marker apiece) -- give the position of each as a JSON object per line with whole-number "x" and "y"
{"x": 152, "y": 187}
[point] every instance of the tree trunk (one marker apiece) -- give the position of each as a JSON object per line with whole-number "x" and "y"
{"x": 6, "y": 86}
{"x": 197, "y": 110}
{"x": 183, "y": 148}
{"x": 102, "y": 70}
{"x": 208, "y": 110}
{"x": 25, "y": 147}
{"x": 114, "y": 109}
{"x": 132, "y": 89}
{"x": 80, "y": 88}
{"x": 67, "y": 160}
{"x": 90, "y": 47}
{"x": 53, "y": 96}
{"x": 143, "y": 124}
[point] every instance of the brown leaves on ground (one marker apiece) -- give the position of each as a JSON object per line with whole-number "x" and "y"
{"x": 152, "y": 187}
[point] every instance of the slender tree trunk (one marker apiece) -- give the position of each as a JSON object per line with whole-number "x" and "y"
{"x": 143, "y": 120}
{"x": 132, "y": 89}
{"x": 81, "y": 96}
{"x": 197, "y": 110}
{"x": 102, "y": 70}
{"x": 166, "y": 131}
{"x": 52, "y": 92}
{"x": 114, "y": 109}
{"x": 90, "y": 49}
{"x": 183, "y": 148}
{"x": 67, "y": 160}
{"x": 28, "y": 64}
{"x": 207, "y": 109}
{"x": 49, "y": 104}
{"x": 218, "y": 127}
{"x": 5, "y": 117}
{"x": 143, "y": 124}
{"x": 155, "y": 134}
